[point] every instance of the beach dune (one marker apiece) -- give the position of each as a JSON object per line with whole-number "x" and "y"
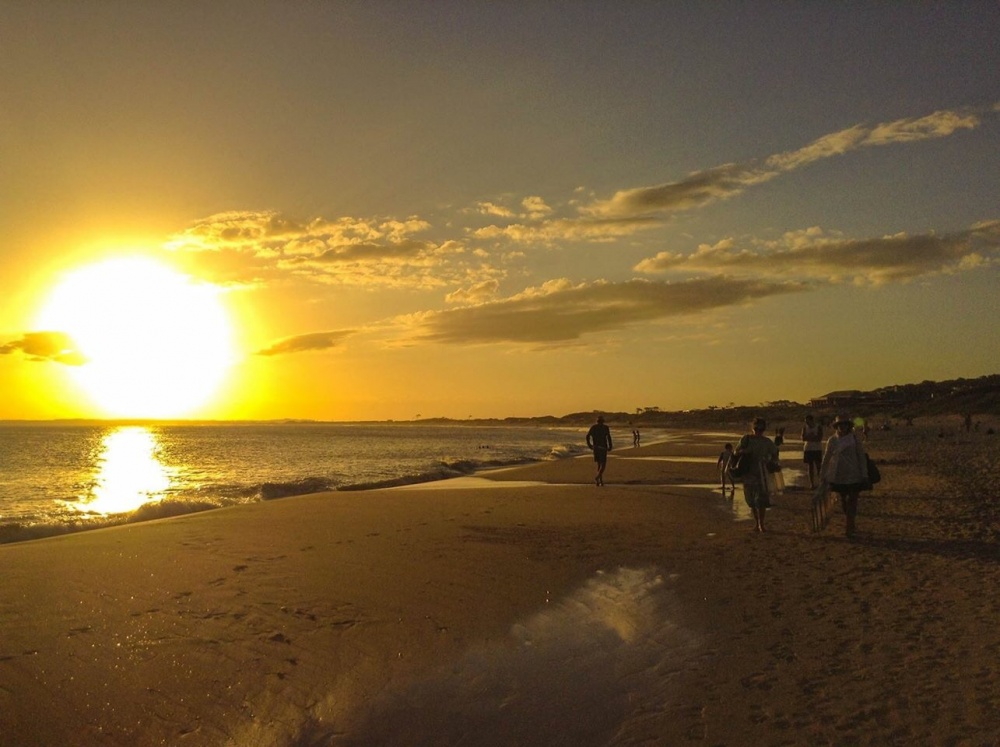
{"x": 529, "y": 608}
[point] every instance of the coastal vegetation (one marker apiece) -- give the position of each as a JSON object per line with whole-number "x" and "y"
{"x": 899, "y": 402}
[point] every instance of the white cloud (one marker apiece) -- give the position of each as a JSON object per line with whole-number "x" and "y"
{"x": 265, "y": 247}
{"x": 476, "y": 293}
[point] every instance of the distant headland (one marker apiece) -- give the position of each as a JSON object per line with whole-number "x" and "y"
{"x": 899, "y": 402}
{"x": 960, "y": 397}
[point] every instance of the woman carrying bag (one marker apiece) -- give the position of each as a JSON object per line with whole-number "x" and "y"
{"x": 749, "y": 464}
{"x": 845, "y": 468}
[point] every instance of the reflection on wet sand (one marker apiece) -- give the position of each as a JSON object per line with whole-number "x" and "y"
{"x": 573, "y": 674}
{"x": 677, "y": 459}
{"x": 734, "y": 497}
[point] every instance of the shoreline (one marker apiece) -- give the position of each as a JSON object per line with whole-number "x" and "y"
{"x": 559, "y": 613}
{"x": 15, "y": 532}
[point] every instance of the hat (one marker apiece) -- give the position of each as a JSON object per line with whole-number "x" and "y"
{"x": 840, "y": 419}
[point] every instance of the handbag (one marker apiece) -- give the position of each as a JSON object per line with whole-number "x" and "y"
{"x": 739, "y": 465}
{"x": 874, "y": 475}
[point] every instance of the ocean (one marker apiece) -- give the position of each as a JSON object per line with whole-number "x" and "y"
{"x": 57, "y": 477}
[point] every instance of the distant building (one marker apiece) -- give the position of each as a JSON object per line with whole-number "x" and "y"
{"x": 851, "y": 398}
{"x": 844, "y": 398}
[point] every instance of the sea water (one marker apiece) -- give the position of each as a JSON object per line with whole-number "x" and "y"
{"x": 58, "y": 476}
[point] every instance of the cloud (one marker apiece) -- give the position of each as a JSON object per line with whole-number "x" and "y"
{"x": 550, "y": 232}
{"x": 477, "y": 293}
{"x": 491, "y": 208}
{"x": 538, "y": 225}
{"x": 813, "y": 254}
{"x": 535, "y": 206}
{"x": 46, "y": 346}
{"x": 399, "y": 251}
{"x": 306, "y": 343}
{"x": 265, "y": 247}
{"x": 938, "y": 124}
{"x": 560, "y": 311}
{"x": 722, "y": 182}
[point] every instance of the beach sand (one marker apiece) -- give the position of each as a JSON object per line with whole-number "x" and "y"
{"x": 526, "y": 607}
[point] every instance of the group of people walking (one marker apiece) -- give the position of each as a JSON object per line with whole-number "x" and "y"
{"x": 841, "y": 466}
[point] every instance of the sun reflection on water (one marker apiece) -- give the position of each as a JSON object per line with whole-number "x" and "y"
{"x": 129, "y": 473}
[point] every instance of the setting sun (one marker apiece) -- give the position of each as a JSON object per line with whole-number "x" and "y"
{"x": 154, "y": 342}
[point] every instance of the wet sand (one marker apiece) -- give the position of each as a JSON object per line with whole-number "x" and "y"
{"x": 537, "y": 610}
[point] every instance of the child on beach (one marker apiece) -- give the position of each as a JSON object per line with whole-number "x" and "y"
{"x": 723, "y": 465}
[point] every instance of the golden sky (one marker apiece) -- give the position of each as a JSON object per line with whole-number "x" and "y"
{"x": 341, "y": 210}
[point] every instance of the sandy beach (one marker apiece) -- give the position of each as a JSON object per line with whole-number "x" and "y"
{"x": 526, "y": 607}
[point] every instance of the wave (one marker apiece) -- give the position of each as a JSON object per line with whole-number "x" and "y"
{"x": 456, "y": 468}
{"x": 268, "y": 491}
{"x": 229, "y": 494}
{"x": 20, "y": 532}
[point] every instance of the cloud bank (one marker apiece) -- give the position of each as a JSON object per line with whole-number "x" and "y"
{"x": 480, "y": 247}
{"x": 811, "y": 254}
{"x": 57, "y": 347}
{"x": 560, "y": 311}
{"x": 254, "y": 248}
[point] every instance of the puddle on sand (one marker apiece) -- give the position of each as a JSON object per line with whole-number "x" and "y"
{"x": 734, "y": 499}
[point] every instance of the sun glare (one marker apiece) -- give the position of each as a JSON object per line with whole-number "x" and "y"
{"x": 156, "y": 343}
{"x": 130, "y": 474}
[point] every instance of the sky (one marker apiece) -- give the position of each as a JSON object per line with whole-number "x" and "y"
{"x": 394, "y": 210}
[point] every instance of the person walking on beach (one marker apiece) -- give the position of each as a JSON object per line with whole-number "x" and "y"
{"x": 723, "y": 465}
{"x": 761, "y": 451}
{"x": 812, "y": 448}
{"x": 599, "y": 440}
{"x": 845, "y": 468}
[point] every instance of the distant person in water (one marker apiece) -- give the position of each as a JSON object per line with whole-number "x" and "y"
{"x": 635, "y": 438}
{"x": 761, "y": 451}
{"x": 812, "y": 448}
{"x": 599, "y": 440}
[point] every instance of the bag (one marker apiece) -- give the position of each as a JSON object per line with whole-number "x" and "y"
{"x": 739, "y": 465}
{"x": 874, "y": 475}
{"x": 774, "y": 482}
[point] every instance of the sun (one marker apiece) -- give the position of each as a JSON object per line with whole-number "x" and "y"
{"x": 156, "y": 344}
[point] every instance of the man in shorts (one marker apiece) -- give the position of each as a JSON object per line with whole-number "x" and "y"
{"x": 812, "y": 448}
{"x": 599, "y": 439}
